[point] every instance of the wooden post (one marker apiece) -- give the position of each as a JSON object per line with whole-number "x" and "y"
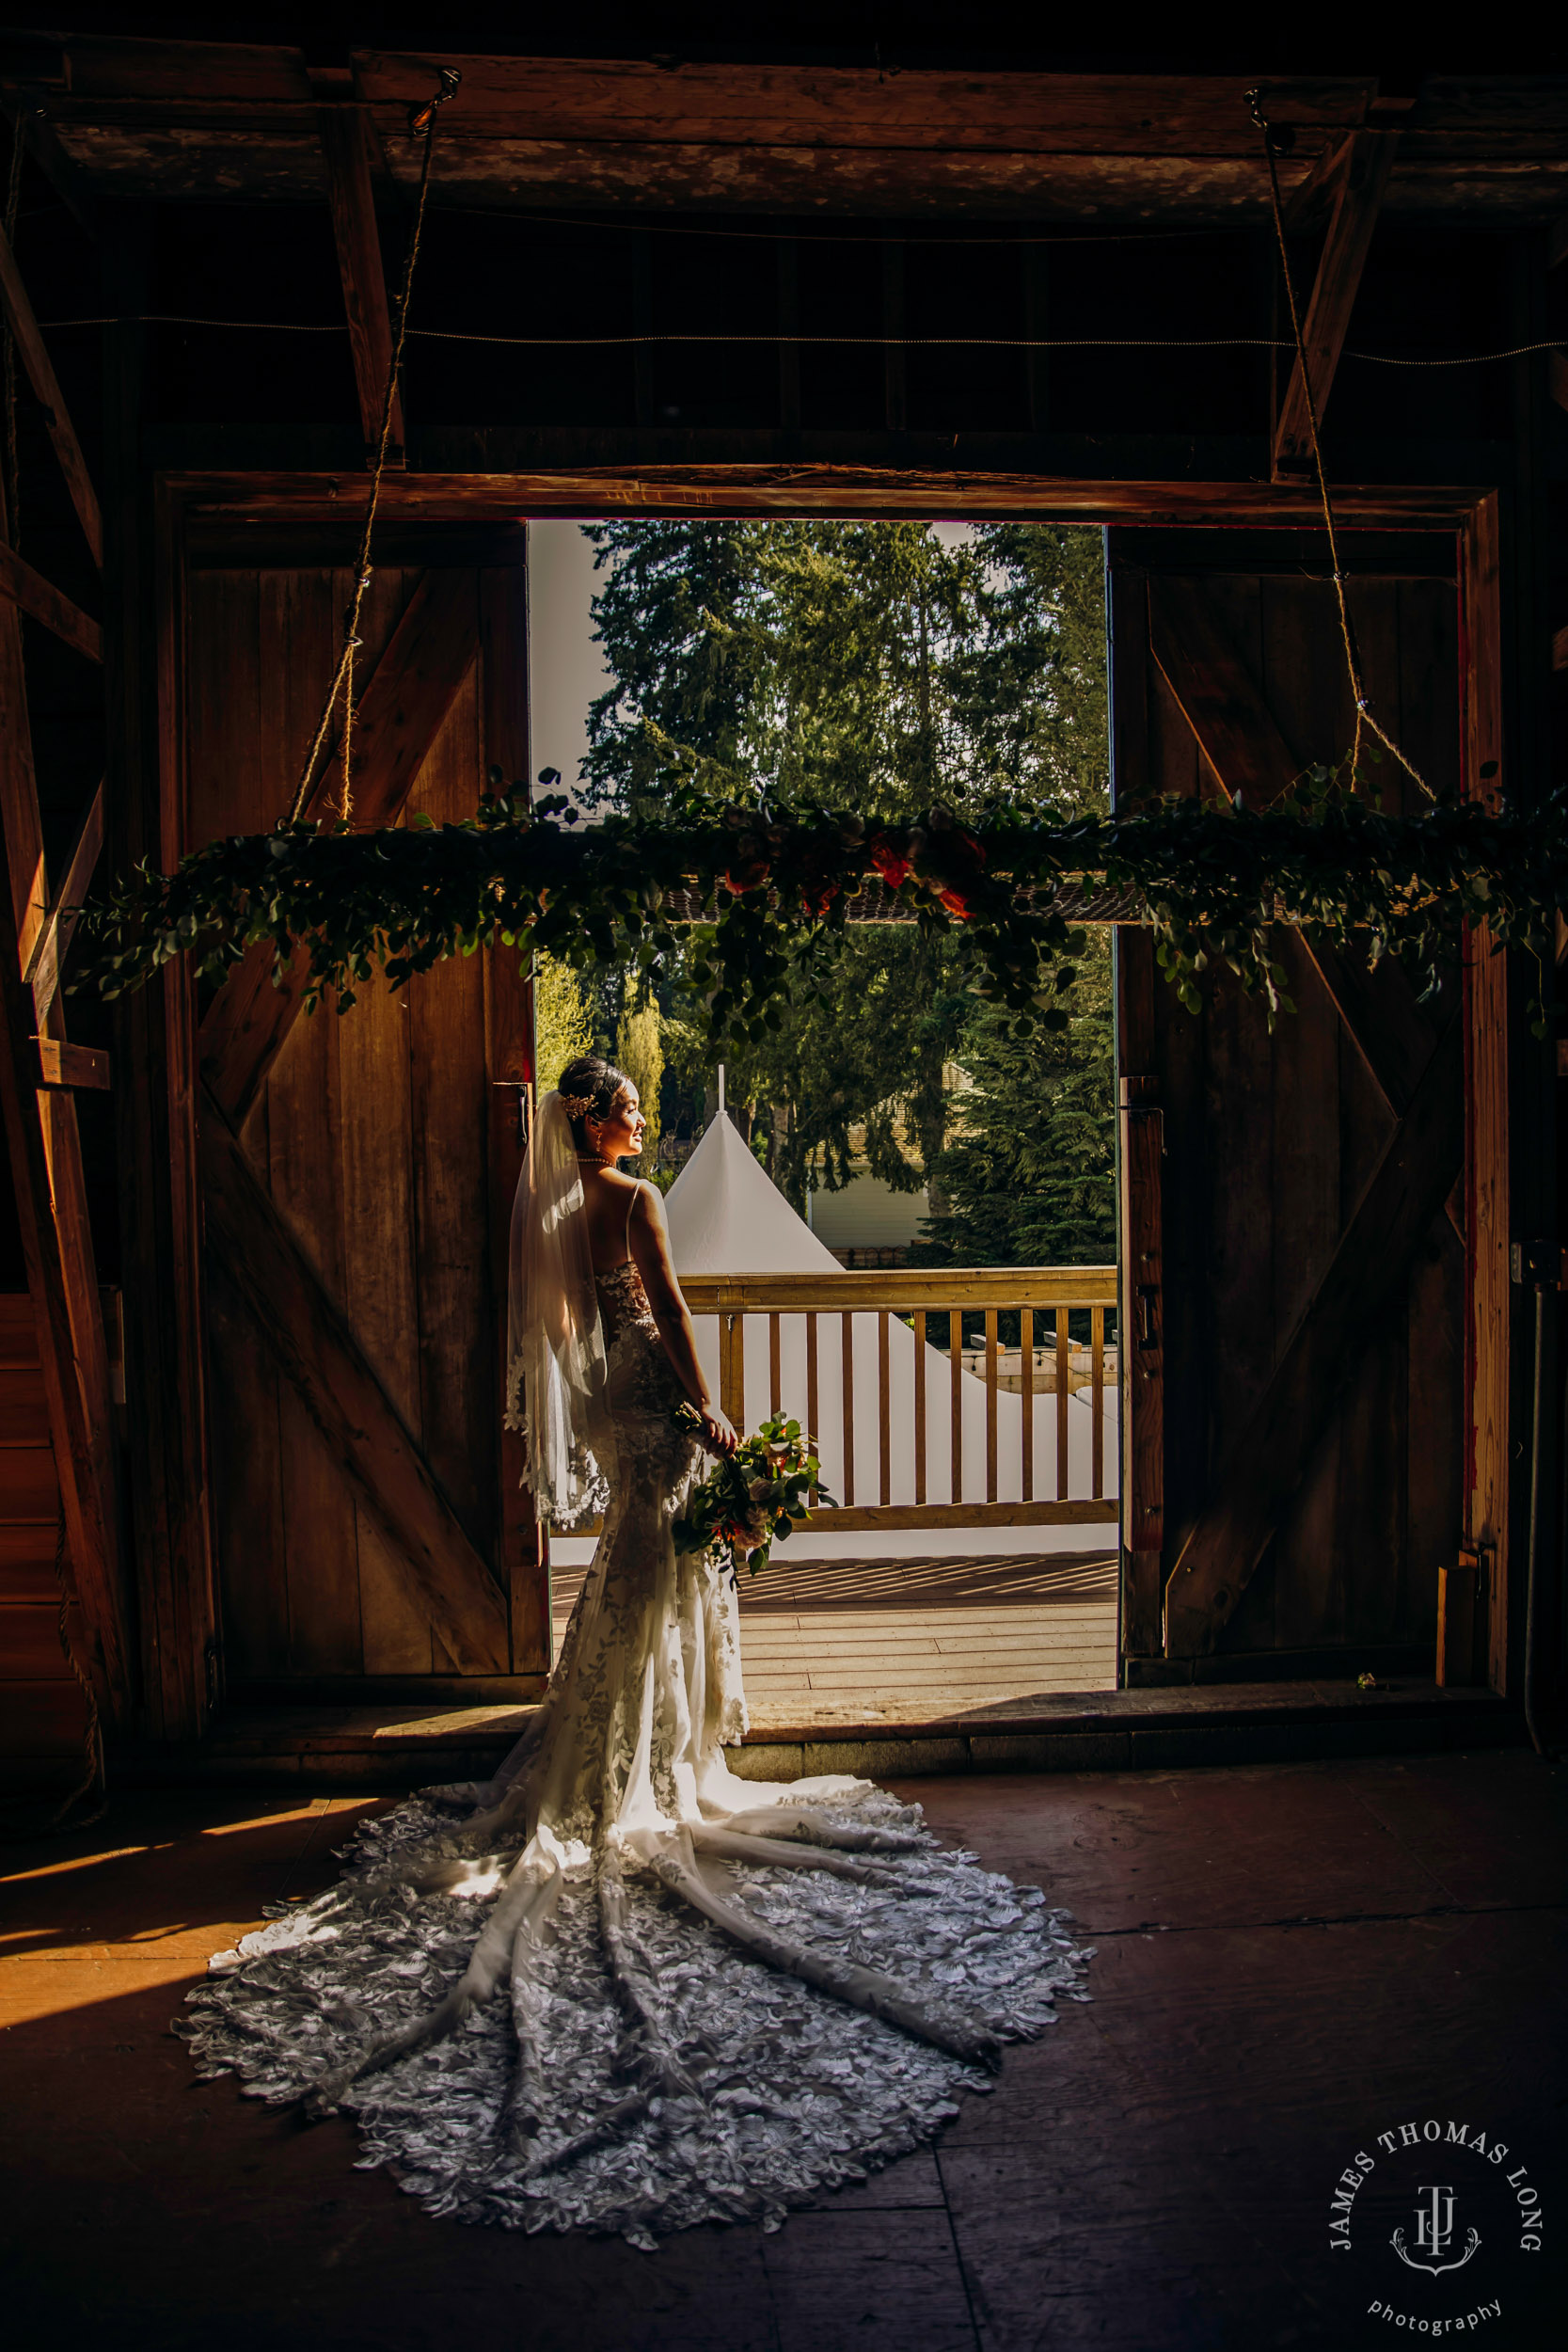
{"x": 1485, "y": 1014}
{"x": 1141, "y": 1334}
{"x": 154, "y": 1054}
{"x": 525, "y": 1563}
{"x": 884, "y": 1409}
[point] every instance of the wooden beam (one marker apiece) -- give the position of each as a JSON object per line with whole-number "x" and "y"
{"x": 415, "y": 683}
{"x": 904, "y": 1290}
{"x": 677, "y": 102}
{"x": 26, "y": 110}
{"x": 1312, "y": 195}
{"x": 20, "y": 585}
{"x": 62, "y": 1064}
{"x": 1366, "y": 1273}
{"x": 251, "y": 1250}
{"x": 345, "y": 137}
{"x": 65, "y": 1314}
{"x": 1369, "y": 159}
{"x": 52, "y": 937}
{"x": 226, "y": 498}
{"x": 57, "y": 416}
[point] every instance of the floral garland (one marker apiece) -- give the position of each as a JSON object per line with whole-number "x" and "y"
{"x": 769, "y": 888}
{"x": 755, "y": 1496}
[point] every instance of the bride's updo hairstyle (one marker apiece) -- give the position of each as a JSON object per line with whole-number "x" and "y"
{"x": 588, "y": 1089}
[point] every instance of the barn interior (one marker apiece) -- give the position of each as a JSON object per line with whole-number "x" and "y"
{"x": 264, "y": 1557}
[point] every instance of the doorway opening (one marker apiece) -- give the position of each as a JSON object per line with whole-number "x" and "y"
{"x": 401, "y": 1313}
{"x": 895, "y": 1214}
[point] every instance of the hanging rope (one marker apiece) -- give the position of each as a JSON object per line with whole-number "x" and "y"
{"x": 12, "y": 480}
{"x": 1352, "y": 660}
{"x": 422, "y": 118}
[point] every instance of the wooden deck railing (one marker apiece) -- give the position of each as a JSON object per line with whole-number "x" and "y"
{"x": 866, "y": 1305}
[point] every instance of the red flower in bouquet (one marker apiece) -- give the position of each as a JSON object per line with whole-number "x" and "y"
{"x": 769, "y": 1484}
{"x": 890, "y": 862}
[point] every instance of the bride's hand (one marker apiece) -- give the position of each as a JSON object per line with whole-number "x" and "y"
{"x": 717, "y": 1430}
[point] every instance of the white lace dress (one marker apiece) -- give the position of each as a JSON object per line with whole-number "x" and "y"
{"x": 618, "y": 1987}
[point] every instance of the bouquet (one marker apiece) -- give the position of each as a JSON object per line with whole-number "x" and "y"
{"x": 770, "y": 1484}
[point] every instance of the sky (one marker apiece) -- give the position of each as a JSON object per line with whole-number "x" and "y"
{"x": 565, "y": 667}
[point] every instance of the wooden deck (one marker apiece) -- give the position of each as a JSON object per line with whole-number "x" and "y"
{"x": 838, "y": 1641}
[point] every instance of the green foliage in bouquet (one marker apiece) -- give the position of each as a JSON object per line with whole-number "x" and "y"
{"x": 752, "y": 1500}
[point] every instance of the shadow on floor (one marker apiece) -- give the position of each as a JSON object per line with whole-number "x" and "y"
{"x": 997, "y": 1582}
{"x": 1291, "y": 1960}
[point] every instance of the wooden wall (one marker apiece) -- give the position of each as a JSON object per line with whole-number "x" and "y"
{"x": 1270, "y": 1137}
{"x": 43, "y": 1711}
{"x": 370, "y": 1136}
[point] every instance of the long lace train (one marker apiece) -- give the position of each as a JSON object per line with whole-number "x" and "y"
{"x": 619, "y": 1987}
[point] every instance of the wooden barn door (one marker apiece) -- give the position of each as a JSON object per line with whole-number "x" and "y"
{"x": 1293, "y": 1222}
{"x": 356, "y": 1172}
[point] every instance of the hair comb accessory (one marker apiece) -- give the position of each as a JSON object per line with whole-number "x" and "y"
{"x": 576, "y": 1105}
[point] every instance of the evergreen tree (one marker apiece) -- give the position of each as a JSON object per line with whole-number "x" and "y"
{"x": 1026, "y": 1176}
{"x": 871, "y": 666}
{"x": 1032, "y": 694}
{"x": 677, "y": 620}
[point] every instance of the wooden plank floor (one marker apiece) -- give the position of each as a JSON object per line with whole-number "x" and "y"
{"x": 834, "y": 1642}
{"x": 1313, "y": 1954}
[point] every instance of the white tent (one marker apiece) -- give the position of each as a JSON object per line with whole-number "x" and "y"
{"x": 728, "y": 1216}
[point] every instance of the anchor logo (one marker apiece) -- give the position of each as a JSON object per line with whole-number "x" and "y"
{"x": 1435, "y": 2235}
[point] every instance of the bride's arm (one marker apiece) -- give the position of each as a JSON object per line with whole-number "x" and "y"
{"x": 649, "y": 1241}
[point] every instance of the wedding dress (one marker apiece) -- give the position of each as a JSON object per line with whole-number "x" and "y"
{"x": 618, "y": 1986}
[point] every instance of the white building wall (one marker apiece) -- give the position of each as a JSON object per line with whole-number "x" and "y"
{"x": 867, "y": 1215}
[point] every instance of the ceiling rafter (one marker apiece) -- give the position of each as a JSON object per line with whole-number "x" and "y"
{"x": 1367, "y": 161}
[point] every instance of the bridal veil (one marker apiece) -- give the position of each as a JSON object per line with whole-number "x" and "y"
{"x": 555, "y": 1351}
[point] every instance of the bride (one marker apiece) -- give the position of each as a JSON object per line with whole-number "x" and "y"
{"x": 618, "y": 1986}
